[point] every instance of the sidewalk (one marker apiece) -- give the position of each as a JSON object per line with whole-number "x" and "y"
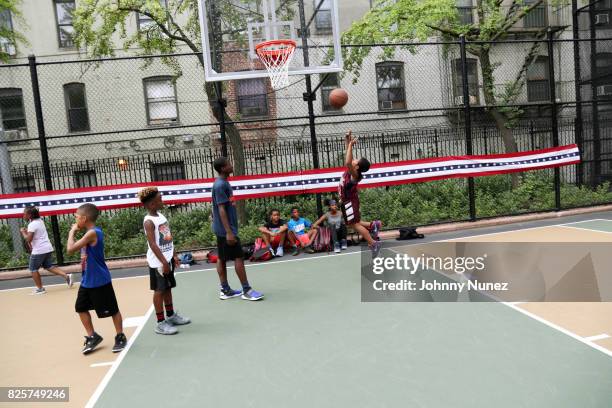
{"x": 385, "y": 235}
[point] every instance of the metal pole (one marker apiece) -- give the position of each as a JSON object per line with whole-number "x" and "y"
{"x": 7, "y": 188}
{"x": 40, "y": 124}
{"x": 468, "y": 125}
{"x": 310, "y": 97}
{"x": 221, "y": 104}
{"x": 553, "y": 106}
{"x": 578, "y": 97}
{"x": 596, "y": 175}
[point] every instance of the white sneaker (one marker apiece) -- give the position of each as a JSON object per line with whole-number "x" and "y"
{"x": 39, "y": 291}
{"x": 69, "y": 280}
{"x": 165, "y": 327}
{"x": 280, "y": 251}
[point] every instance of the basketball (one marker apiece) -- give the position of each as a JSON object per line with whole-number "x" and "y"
{"x": 338, "y": 98}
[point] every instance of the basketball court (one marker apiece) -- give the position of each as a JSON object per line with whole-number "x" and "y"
{"x": 312, "y": 342}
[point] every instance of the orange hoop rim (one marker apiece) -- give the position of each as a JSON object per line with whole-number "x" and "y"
{"x": 261, "y": 50}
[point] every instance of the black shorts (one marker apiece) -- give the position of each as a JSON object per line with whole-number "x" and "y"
{"x": 101, "y": 299}
{"x": 159, "y": 282}
{"x": 229, "y": 252}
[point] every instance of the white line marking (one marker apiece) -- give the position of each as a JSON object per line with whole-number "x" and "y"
{"x": 109, "y": 374}
{"x": 561, "y": 329}
{"x": 134, "y": 321}
{"x": 514, "y": 305}
{"x": 583, "y": 221}
{"x": 249, "y": 265}
{"x": 602, "y": 336}
{"x": 586, "y": 229}
{"x": 108, "y": 363}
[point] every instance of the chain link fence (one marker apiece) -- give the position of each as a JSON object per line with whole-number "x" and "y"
{"x": 148, "y": 119}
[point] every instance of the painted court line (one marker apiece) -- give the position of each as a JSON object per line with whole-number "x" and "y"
{"x": 134, "y": 321}
{"x": 602, "y": 336}
{"x": 108, "y": 363}
{"x": 143, "y": 320}
{"x": 109, "y": 374}
{"x": 194, "y": 270}
{"x": 561, "y": 329}
{"x": 586, "y": 229}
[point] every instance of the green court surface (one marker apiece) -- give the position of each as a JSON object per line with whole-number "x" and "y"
{"x": 313, "y": 343}
{"x": 594, "y": 225}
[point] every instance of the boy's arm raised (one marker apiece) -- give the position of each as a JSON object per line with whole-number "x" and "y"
{"x": 72, "y": 246}
{"x": 150, "y": 232}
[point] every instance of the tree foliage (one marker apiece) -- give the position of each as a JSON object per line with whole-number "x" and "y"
{"x": 9, "y": 34}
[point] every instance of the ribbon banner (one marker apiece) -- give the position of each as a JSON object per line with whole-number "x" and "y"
{"x": 298, "y": 182}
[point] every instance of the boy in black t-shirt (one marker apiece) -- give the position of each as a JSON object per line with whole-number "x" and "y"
{"x": 274, "y": 232}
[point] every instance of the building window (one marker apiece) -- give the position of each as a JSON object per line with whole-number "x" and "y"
{"x": 465, "y": 10}
{"x": 168, "y": 171}
{"x": 11, "y": 105}
{"x": 145, "y": 21}
{"x": 603, "y": 67}
{"x": 536, "y": 18}
{"x": 329, "y": 84}
{"x": 76, "y": 107}
{"x": 390, "y": 85}
{"x": 23, "y": 184}
{"x": 323, "y": 18}
{"x": 85, "y": 178}
{"x": 472, "y": 77}
{"x": 63, "y": 16}
{"x": 538, "y": 87}
{"x": 160, "y": 94}
{"x": 252, "y": 97}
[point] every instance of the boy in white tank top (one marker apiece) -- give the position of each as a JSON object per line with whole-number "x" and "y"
{"x": 162, "y": 260}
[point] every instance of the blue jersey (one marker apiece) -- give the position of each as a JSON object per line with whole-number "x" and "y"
{"x": 298, "y": 226}
{"x": 222, "y": 195}
{"x": 96, "y": 273}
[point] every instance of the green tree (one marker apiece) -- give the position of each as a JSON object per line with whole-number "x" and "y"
{"x": 98, "y": 23}
{"x": 402, "y": 21}
{"x": 8, "y": 35}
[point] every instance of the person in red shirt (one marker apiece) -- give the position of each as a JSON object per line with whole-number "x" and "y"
{"x": 349, "y": 196}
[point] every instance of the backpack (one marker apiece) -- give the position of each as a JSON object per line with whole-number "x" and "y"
{"x": 408, "y": 233}
{"x": 186, "y": 258}
{"x": 323, "y": 241}
{"x": 261, "y": 252}
{"x": 212, "y": 256}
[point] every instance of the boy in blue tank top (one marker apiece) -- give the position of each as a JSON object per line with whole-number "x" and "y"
{"x": 96, "y": 290}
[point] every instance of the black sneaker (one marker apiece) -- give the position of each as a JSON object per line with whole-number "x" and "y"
{"x": 296, "y": 251}
{"x": 91, "y": 342}
{"x": 120, "y": 343}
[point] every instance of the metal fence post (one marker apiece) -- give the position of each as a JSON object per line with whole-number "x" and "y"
{"x": 577, "y": 76}
{"x": 553, "y": 106}
{"x": 40, "y": 124}
{"x": 468, "y": 125}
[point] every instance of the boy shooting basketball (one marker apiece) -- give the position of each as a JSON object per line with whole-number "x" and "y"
{"x": 349, "y": 196}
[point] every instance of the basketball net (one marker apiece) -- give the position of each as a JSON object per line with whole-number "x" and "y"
{"x": 276, "y": 55}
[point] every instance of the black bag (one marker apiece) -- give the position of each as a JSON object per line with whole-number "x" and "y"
{"x": 408, "y": 233}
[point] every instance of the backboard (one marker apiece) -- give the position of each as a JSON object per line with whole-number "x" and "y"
{"x": 232, "y": 28}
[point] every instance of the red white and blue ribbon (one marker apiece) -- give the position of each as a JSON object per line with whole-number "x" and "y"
{"x": 297, "y": 182}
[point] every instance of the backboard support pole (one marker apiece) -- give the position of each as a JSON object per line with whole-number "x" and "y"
{"x": 309, "y": 93}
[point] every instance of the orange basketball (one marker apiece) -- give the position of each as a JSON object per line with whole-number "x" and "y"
{"x": 338, "y": 98}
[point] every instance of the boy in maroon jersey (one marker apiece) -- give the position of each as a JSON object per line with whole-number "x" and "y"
{"x": 349, "y": 196}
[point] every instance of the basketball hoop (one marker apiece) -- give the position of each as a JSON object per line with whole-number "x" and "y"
{"x": 276, "y": 55}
